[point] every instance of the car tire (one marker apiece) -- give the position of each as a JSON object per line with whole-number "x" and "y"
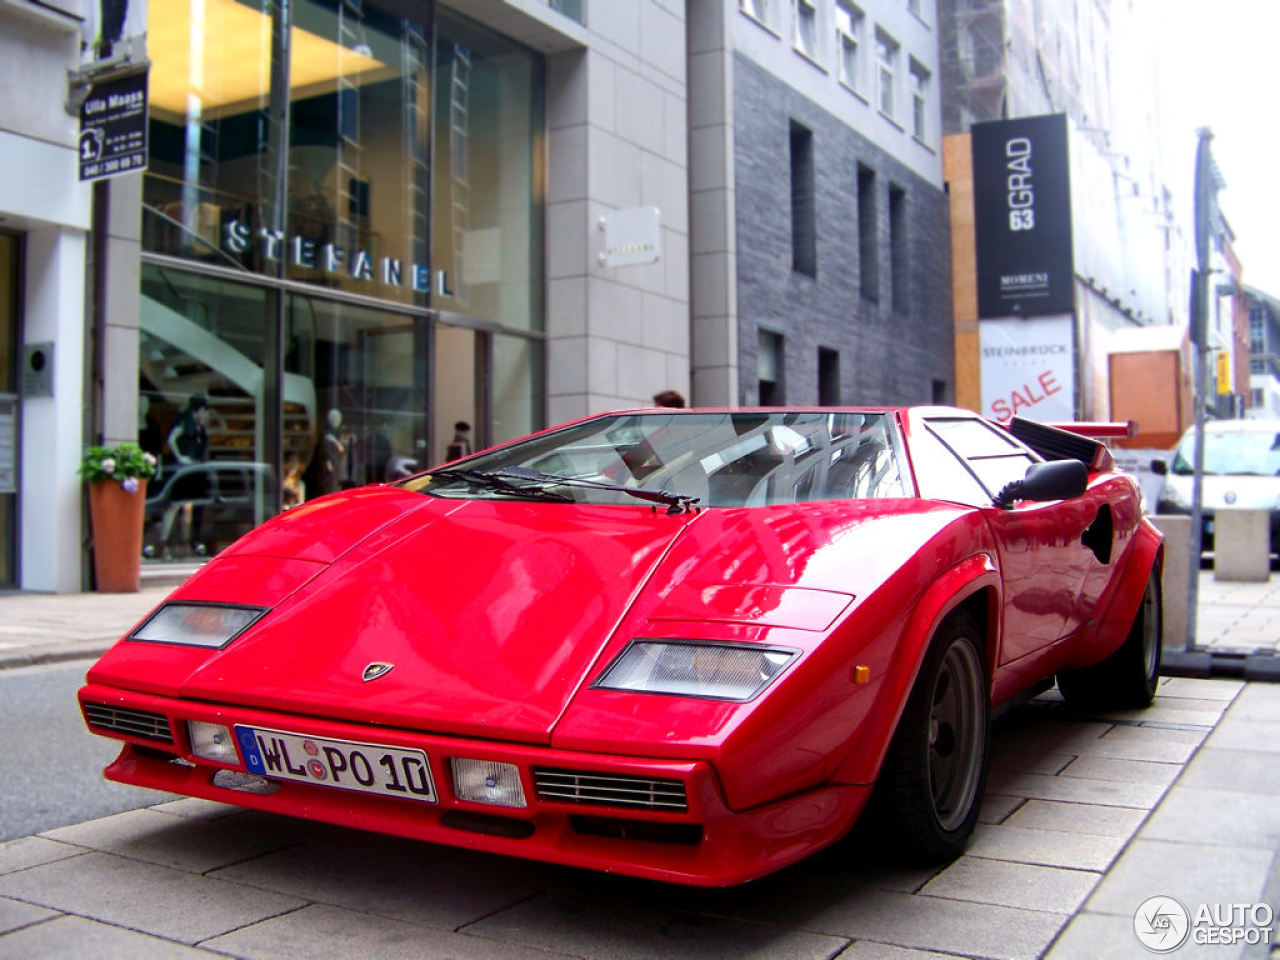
{"x": 1127, "y": 679}
{"x": 930, "y": 788}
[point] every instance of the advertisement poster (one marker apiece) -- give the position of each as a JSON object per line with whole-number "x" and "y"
{"x": 1022, "y": 217}
{"x": 1028, "y": 368}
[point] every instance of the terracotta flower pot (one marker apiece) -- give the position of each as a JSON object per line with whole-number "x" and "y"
{"x": 116, "y": 517}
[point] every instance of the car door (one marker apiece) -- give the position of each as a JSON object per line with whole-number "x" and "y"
{"x": 1042, "y": 559}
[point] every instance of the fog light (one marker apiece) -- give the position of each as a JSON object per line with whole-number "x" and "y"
{"x": 483, "y": 781}
{"x": 212, "y": 741}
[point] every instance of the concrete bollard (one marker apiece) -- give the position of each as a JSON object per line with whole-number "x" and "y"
{"x": 1242, "y": 546}
{"x": 1175, "y": 578}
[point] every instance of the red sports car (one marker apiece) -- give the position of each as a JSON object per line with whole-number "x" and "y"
{"x": 690, "y": 645}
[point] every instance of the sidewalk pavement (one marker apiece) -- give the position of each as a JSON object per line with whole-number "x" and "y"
{"x": 1086, "y": 817}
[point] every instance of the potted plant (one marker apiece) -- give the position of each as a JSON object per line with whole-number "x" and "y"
{"x": 117, "y": 478}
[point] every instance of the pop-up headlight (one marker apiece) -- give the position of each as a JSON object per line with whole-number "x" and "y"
{"x": 211, "y": 625}
{"x": 710, "y": 671}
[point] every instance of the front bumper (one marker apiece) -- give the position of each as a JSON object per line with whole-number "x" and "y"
{"x": 704, "y": 843}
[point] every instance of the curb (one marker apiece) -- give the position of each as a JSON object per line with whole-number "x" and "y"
{"x": 1206, "y": 664}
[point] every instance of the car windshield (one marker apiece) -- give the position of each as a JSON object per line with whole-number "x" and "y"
{"x": 1253, "y": 452}
{"x": 683, "y": 459}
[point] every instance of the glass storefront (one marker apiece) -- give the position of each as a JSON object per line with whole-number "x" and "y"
{"x": 342, "y": 233}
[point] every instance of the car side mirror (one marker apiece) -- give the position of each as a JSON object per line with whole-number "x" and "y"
{"x": 1160, "y": 468}
{"x": 1051, "y": 480}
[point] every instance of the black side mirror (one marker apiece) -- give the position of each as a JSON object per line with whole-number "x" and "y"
{"x": 1160, "y": 468}
{"x": 1051, "y": 480}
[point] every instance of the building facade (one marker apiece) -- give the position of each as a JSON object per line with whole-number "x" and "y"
{"x": 375, "y": 233}
{"x": 829, "y": 205}
{"x": 1088, "y": 62}
{"x": 1264, "y": 353}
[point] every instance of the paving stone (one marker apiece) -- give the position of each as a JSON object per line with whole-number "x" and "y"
{"x": 1031, "y": 887}
{"x": 89, "y": 940}
{"x": 935, "y": 923}
{"x": 1149, "y": 748}
{"x": 33, "y": 851}
{"x": 1237, "y": 771}
{"x": 1092, "y": 936}
{"x": 1075, "y": 789}
{"x": 1219, "y": 817}
{"x": 1019, "y": 762}
{"x": 1194, "y": 688}
{"x": 619, "y": 930}
{"x": 1200, "y": 713}
{"x": 197, "y": 844}
{"x": 1237, "y": 734}
{"x": 1086, "y": 818}
{"x": 196, "y": 807}
{"x": 391, "y": 877}
{"x": 144, "y": 897}
{"x": 1193, "y": 873}
{"x": 1258, "y": 701}
{"x": 1141, "y": 734}
{"x": 1129, "y": 770}
{"x": 329, "y": 933}
{"x": 15, "y": 915}
{"x": 1052, "y": 733}
{"x": 869, "y": 950}
{"x": 1052, "y": 848}
{"x": 996, "y": 807}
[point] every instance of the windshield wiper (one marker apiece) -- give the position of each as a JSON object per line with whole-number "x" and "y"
{"x": 674, "y": 502}
{"x": 495, "y": 483}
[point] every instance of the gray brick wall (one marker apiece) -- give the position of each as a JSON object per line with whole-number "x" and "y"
{"x": 889, "y": 353}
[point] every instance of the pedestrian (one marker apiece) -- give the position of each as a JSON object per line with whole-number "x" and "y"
{"x": 668, "y": 398}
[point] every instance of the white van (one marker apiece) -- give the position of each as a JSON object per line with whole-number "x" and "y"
{"x": 1241, "y": 471}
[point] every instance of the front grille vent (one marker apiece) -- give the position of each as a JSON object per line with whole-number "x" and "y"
{"x": 610, "y": 790}
{"x": 135, "y": 723}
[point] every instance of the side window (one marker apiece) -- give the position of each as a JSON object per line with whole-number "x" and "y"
{"x": 991, "y": 456}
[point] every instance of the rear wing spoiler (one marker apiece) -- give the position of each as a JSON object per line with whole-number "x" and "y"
{"x": 1072, "y": 441}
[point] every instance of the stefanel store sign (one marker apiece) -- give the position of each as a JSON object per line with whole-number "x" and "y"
{"x": 1022, "y": 217}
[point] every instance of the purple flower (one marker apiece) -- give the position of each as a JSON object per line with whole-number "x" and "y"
{"x": 130, "y": 484}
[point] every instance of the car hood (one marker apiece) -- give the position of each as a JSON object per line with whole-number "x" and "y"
{"x": 495, "y": 614}
{"x": 490, "y": 612}
{"x": 1228, "y": 491}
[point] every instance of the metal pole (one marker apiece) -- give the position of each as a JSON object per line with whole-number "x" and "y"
{"x": 1205, "y": 207}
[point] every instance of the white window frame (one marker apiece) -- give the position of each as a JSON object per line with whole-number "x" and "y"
{"x": 920, "y": 87}
{"x": 805, "y": 27}
{"x": 757, "y": 10}
{"x": 886, "y": 74}
{"x": 849, "y": 44}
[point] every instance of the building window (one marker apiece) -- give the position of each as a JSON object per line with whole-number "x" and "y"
{"x": 769, "y": 369}
{"x": 849, "y": 20}
{"x": 804, "y": 240}
{"x": 828, "y": 377}
{"x": 913, "y": 6}
{"x": 886, "y": 65}
{"x": 755, "y": 9}
{"x": 898, "y": 285}
{"x": 919, "y": 101}
{"x": 806, "y": 28}
{"x": 868, "y": 235}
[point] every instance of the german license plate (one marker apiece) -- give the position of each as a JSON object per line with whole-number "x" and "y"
{"x": 367, "y": 767}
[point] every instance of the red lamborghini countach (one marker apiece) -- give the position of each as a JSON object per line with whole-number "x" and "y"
{"x": 688, "y": 645}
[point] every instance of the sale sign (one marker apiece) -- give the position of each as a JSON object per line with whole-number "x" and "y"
{"x": 1028, "y": 368}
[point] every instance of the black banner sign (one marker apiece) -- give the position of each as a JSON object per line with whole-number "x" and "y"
{"x": 113, "y": 127}
{"x": 1022, "y": 217}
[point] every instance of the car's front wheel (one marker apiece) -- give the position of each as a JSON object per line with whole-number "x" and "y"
{"x": 1127, "y": 678}
{"x": 931, "y": 785}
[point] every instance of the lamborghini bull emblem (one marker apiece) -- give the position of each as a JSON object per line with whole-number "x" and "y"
{"x": 375, "y": 670}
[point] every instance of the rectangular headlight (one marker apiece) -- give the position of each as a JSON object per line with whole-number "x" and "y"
{"x": 209, "y": 625}
{"x": 485, "y": 781}
{"x": 710, "y": 671}
{"x": 212, "y": 741}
